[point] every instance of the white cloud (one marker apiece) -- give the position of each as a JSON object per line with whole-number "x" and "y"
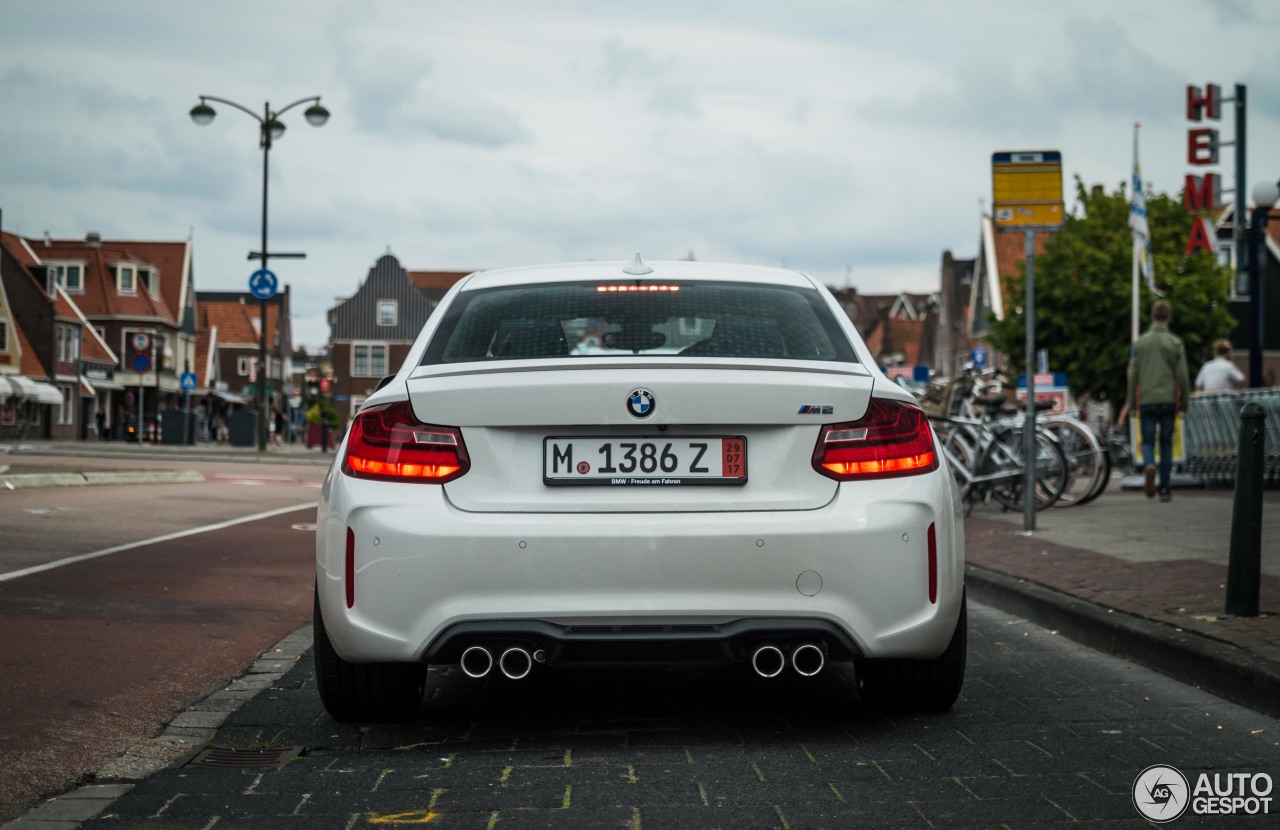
{"x": 838, "y": 136}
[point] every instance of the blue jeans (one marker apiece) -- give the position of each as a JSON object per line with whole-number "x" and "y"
{"x": 1162, "y": 414}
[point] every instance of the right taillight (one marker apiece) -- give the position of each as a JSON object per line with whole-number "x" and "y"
{"x": 389, "y": 443}
{"x": 892, "y": 439}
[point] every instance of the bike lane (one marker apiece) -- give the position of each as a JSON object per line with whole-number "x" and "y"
{"x": 100, "y": 653}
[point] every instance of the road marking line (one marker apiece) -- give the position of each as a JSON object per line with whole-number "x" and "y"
{"x": 71, "y": 560}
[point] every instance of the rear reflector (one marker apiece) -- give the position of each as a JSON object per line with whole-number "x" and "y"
{"x": 389, "y": 443}
{"x": 350, "y": 575}
{"x": 933, "y": 565}
{"x": 892, "y": 439}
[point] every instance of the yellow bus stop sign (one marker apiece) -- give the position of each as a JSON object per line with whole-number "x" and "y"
{"x": 1027, "y": 188}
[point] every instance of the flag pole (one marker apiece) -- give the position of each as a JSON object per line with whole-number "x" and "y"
{"x": 1136, "y": 243}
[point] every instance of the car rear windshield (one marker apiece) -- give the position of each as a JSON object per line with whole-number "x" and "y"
{"x": 620, "y": 319}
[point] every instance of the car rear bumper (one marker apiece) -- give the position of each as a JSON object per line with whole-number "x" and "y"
{"x": 595, "y": 584}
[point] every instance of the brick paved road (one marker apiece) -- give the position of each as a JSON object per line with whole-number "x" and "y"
{"x": 1047, "y": 733}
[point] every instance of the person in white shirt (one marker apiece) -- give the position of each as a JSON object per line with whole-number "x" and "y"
{"x": 1219, "y": 374}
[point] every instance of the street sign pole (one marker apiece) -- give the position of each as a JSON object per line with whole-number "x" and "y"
{"x": 262, "y": 329}
{"x": 1027, "y": 196}
{"x": 141, "y": 347}
{"x": 1029, "y": 429}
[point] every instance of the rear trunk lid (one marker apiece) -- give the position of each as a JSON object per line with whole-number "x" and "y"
{"x": 561, "y": 437}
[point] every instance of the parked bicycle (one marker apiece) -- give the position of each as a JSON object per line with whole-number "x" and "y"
{"x": 976, "y": 395}
{"x": 1088, "y": 460}
{"x": 988, "y": 456}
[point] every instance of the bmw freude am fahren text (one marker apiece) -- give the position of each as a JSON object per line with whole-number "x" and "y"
{"x": 661, "y": 463}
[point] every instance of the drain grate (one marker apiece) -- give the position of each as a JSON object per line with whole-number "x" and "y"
{"x": 244, "y": 758}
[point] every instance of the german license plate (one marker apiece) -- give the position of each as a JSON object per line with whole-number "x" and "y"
{"x": 645, "y": 462}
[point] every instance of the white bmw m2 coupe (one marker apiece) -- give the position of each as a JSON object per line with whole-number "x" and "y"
{"x": 638, "y": 462}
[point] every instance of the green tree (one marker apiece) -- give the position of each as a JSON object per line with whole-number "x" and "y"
{"x": 1084, "y": 293}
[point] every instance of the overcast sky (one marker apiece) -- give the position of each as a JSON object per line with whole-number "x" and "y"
{"x": 849, "y": 139}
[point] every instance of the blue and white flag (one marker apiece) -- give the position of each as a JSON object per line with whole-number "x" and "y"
{"x": 1139, "y": 225}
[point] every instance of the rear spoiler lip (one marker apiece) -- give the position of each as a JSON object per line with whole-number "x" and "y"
{"x": 637, "y": 364}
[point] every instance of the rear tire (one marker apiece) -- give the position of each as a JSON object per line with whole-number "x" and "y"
{"x": 917, "y": 685}
{"x": 364, "y": 691}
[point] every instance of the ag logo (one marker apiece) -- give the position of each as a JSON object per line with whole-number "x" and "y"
{"x": 1161, "y": 793}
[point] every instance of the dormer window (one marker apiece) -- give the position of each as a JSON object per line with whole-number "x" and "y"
{"x": 69, "y": 275}
{"x": 151, "y": 278}
{"x": 387, "y": 312}
{"x": 126, "y": 278}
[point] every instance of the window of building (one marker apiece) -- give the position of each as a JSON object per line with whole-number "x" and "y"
{"x": 368, "y": 360}
{"x": 244, "y": 364}
{"x": 387, "y": 312}
{"x": 67, "y": 342}
{"x": 4, "y": 335}
{"x": 69, "y": 275}
{"x": 8, "y": 412}
{"x": 150, "y": 277}
{"x": 65, "y": 411}
{"x": 357, "y": 403}
{"x": 126, "y": 279}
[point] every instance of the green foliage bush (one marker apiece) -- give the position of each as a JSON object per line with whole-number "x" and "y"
{"x": 1084, "y": 291}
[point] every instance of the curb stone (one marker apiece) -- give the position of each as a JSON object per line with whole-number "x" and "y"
{"x": 27, "y": 481}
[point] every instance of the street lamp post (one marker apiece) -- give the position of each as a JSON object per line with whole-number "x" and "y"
{"x": 270, "y": 130}
{"x": 1265, "y": 196}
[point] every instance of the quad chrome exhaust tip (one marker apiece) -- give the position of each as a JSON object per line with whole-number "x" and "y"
{"x": 516, "y": 663}
{"x": 476, "y": 661}
{"x": 768, "y": 661}
{"x": 807, "y": 659}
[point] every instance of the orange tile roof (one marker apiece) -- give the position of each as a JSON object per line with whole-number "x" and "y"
{"x": 172, "y": 258}
{"x": 436, "y": 279}
{"x": 1011, "y": 249}
{"x": 204, "y": 341}
{"x": 62, "y": 307}
{"x": 17, "y": 246}
{"x": 30, "y": 364}
{"x": 100, "y": 297}
{"x": 236, "y": 320}
{"x": 93, "y": 349}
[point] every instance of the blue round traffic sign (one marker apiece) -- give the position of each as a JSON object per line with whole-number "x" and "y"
{"x": 263, "y": 284}
{"x": 141, "y": 362}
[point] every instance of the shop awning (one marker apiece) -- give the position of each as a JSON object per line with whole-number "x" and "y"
{"x": 24, "y": 388}
{"x": 229, "y": 397}
{"x": 101, "y": 383}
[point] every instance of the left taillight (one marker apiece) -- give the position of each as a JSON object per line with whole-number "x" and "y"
{"x": 892, "y": 439}
{"x": 389, "y": 443}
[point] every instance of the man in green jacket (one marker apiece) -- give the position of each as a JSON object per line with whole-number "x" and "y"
{"x": 1159, "y": 388}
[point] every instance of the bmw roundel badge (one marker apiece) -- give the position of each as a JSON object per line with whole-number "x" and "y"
{"x": 640, "y": 403}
